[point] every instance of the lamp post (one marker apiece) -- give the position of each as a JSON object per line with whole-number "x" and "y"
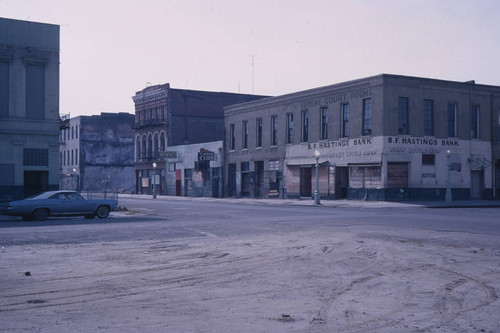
{"x": 316, "y": 193}
{"x": 75, "y": 180}
{"x": 448, "y": 196}
{"x": 154, "y": 179}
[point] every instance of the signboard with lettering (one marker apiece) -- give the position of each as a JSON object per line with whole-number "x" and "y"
{"x": 204, "y": 156}
{"x": 168, "y": 154}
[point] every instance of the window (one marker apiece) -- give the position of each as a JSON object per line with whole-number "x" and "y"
{"x": 274, "y": 130}
{"x": 231, "y": 137}
{"x": 324, "y": 123}
{"x": 428, "y": 159}
{"x": 289, "y": 128}
{"x": 64, "y": 158}
{"x": 162, "y": 112}
{"x": 403, "y": 126}
{"x": 305, "y": 125}
{"x": 35, "y": 91}
{"x": 76, "y": 132}
{"x": 72, "y": 157}
{"x": 428, "y": 117}
{"x": 244, "y": 130}
{"x": 258, "y": 136}
{"x": 367, "y": 116}
{"x": 36, "y": 157}
{"x": 344, "y": 131}
{"x": 72, "y": 132}
{"x": 452, "y": 120}
{"x": 76, "y": 156}
{"x": 4, "y": 88}
{"x": 474, "y": 122}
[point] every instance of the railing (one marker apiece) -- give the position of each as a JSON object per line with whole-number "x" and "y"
{"x": 111, "y": 194}
{"x": 64, "y": 121}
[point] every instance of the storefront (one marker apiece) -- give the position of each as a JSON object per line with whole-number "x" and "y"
{"x": 391, "y": 168}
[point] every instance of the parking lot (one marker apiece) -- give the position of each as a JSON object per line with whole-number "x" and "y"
{"x": 357, "y": 271}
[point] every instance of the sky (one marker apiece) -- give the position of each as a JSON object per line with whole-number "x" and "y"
{"x": 110, "y": 49}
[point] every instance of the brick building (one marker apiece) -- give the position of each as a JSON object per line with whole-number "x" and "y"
{"x": 166, "y": 117}
{"x": 97, "y": 153}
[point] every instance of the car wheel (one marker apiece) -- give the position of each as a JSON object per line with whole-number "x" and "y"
{"x": 41, "y": 214}
{"x": 89, "y": 216}
{"x": 102, "y": 212}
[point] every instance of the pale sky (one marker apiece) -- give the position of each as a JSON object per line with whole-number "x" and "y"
{"x": 111, "y": 48}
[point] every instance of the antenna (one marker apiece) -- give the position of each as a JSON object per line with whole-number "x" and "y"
{"x": 253, "y": 74}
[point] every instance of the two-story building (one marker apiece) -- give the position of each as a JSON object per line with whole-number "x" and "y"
{"x": 386, "y": 137}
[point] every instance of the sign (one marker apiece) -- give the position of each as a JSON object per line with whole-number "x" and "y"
{"x": 169, "y": 154}
{"x": 204, "y": 156}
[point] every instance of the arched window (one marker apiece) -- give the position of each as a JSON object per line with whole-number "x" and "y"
{"x": 143, "y": 148}
{"x": 155, "y": 146}
{"x": 163, "y": 141}
{"x": 137, "y": 148}
{"x": 150, "y": 147}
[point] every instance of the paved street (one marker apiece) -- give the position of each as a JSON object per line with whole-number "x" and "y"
{"x": 198, "y": 265}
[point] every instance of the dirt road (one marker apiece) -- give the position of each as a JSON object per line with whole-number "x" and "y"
{"x": 321, "y": 281}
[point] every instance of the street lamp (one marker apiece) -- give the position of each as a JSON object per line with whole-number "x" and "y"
{"x": 75, "y": 180}
{"x": 316, "y": 193}
{"x": 154, "y": 179}
{"x": 448, "y": 196}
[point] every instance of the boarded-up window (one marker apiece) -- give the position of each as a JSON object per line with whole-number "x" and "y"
{"x": 35, "y": 91}
{"x": 365, "y": 176}
{"x": 397, "y": 175}
{"x": 428, "y": 166}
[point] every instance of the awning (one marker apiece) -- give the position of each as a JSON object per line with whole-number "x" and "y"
{"x": 305, "y": 161}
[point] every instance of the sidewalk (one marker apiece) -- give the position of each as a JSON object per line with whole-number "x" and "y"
{"x": 344, "y": 203}
{"x": 330, "y": 203}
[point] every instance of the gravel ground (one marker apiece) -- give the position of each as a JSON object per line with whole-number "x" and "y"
{"x": 309, "y": 281}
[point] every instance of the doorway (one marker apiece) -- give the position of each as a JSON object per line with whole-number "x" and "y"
{"x": 341, "y": 182}
{"x": 259, "y": 179}
{"x": 305, "y": 182}
{"x": 35, "y": 182}
{"x": 476, "y": 184}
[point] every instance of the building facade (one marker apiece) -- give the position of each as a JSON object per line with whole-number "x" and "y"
{"x": 194, "y": 170}
{"x": 97, "y": 153}
{"x": 29, "y": 108}
{"x": 385, "y": 137}
{"x": 167, "y": 117}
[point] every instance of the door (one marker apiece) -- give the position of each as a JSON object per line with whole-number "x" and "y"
{"x": 476, "y": 185}
{"x": 35, "y": 182}
{"x": 259, "y": 179}
{"x": 341, "y": 182}
{"x": 178, "y": 182}
{"x": 305, "y": 182}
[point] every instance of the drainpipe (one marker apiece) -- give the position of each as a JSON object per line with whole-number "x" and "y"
{"x": 492, "y": 142}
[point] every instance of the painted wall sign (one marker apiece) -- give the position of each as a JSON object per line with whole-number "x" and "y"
{"x": 337, "y": 98}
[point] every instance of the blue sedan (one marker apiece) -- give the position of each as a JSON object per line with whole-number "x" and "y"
{"x": 60, "y": 203}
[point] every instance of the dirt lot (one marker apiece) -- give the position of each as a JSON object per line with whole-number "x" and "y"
{"x": 322, "y": 281}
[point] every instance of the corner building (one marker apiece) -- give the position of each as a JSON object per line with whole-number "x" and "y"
{"x": 29, "y": 108}
{"x": 386, "y": 137}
